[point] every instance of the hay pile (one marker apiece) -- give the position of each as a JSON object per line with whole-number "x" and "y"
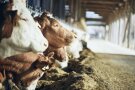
{"x": 89, "y": 73}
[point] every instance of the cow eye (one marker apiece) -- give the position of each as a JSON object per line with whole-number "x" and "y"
{"x": 56, "y": 25}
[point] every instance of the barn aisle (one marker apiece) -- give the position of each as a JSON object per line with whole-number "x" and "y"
{"x": 114, "y": 69}
{"x": 46, "y": 46}
{"x": 102, "y": 46}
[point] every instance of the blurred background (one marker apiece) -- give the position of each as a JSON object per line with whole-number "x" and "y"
{"x": 111, "y": 20}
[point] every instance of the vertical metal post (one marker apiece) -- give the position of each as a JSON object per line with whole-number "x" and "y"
{"x": 51, "y": 6}
{"x": 79, "y": 9}
{"x": 76, "y": 10}
{"x": 119, "y": 33}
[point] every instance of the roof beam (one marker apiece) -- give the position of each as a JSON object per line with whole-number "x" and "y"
{"x": 110, "y": 2}
{"x": 94, "y": 19}
{"x": 99, "y": 6}
{"x": 96, "y": 10}
{"x": 102, "y": 7}
{"x": 96, "y": 24}
{"x": 101, "y": 13}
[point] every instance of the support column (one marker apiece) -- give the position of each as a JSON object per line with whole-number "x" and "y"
{"x": 45, "y": 5}
{"x": 59, "y": 8}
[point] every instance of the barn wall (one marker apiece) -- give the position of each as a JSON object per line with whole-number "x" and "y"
{"x": 57, "y": 7}
{"x": 122, "y": 28}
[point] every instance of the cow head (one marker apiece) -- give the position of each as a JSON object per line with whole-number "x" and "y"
{"x": 26, "y": 36}
{"x": 56, "y": 34}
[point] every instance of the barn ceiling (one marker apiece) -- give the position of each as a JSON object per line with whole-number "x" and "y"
{"x": 102, "y": 7}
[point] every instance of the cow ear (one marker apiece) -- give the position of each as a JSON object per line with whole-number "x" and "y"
{"x": 50, "y": 55}
{"x": 75, "y": 36}
{"x": 47, "y": 14}
{"x": 11, "y": 1}
{"x": 13, "y": 13}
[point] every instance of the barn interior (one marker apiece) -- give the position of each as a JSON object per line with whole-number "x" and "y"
{"x": 111, "y": 20}
{"x": 110, "y": 24}
{"x": 101, "y": 58}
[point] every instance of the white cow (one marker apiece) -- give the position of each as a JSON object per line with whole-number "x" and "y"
{"x": 76, "y": 46}
{"x": 26, "y": 36}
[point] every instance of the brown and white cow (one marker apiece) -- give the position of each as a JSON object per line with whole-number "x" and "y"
{"x": 25, "y": 69}
{"x": 20, "y": 34}
{"x": 57, "y": 36}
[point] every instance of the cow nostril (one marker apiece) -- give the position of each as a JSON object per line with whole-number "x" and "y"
{"x": 45, "y": 44}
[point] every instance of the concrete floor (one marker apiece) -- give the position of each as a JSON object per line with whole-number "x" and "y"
{"x": 102, "y": 46}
